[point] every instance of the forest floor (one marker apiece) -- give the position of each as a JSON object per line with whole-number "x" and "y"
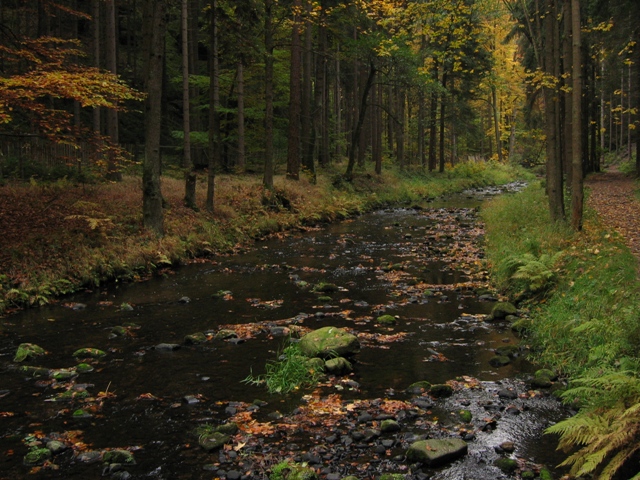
{"x": 613, "y": 196}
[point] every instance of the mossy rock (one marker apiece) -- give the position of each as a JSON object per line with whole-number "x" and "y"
{"x": 338, "y": 366}
{"x": 37, "y": 457}
{"x": 499, "y": 361}
{"x": 545, "y": 474}
{"x": 386, "y": 320}
{"x": 545, "y": 372}
{"x": 419, "y": 387}
{"x": 441, "y": 390}
{"x": 195, "y": 338}
{"x": 84, "y": 368}
{"x": 292, "y": 471}
{"x": 89, "y": 353}
{"x": 213, "y": 441}
{"x": 63, "y": 374}
{"x": 392, "y": 476}
{"x": 510, "y": 351}
{"x": 501, "y": 309}
{"x": 222, "y": 294}
{"x": 328, "y": 342}
{"x": 326, "y": 288}
{"x": 230, "y": 428}
{"x": 35, "y": 371}
{"x": 28, "y": 350}
{"x": 119, "y": 331}
{"x": 522, "y": 326}
{"x": 80, "y": 414}
{"x": 225, "y": 334}
{"x": 350, "y": 477}
{"x": 527, "y": 475}
{"x": 507, "y": 465}
{"x": 315, "y": 365}
{"x": 465, "y": 415}
{"x": 122, "y": 456}
{"x": 543, "y": 378}
{"x": 436, "y": 452}
{"x": 324, "y": 298}
{"x": 389, "y": 426}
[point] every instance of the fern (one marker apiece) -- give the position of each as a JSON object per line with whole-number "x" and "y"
{"x": 606, "y": 430}
{"x": 537, "y": 273}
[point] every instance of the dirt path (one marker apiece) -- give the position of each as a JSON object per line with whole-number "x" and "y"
{"x": 613, "y": 197}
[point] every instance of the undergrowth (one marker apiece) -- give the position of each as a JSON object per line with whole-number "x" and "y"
{"x": 94, "y": 234}
{"x": 582, "y": 292}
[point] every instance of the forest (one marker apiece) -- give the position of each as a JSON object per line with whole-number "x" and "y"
{"x": 140, "y": 135}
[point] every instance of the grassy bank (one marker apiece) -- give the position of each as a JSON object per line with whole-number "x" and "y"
{"x": 582, "y": 291}
{"x": 60, "y": 237}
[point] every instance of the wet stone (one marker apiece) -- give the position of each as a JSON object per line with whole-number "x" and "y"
{"x": 423, "y": 402}
{"x": 167, "y": 347}
{"x": 233, "y": 475}
{"x": 365, "y": 417}
{"x": 37, "y": 456}
{"x": 506, "y": 393}
{"x": 56, "y": 446}
{"x": 89, "y": 457}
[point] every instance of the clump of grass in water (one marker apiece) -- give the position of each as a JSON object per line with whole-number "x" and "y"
{"x": 291, "y": 371}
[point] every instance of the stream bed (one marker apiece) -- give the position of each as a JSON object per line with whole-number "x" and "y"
{"x": 155, "y": 387}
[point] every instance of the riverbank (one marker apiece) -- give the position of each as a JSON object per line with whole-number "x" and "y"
{"x": 583, "y": 294}
{"x": 61, "y": 237}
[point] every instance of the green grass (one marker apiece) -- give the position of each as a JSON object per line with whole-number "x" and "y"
{"x": 289, "y": 372}
{"x": 584, "y": 324}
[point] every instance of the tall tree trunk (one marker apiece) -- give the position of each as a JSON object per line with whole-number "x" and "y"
{"x": 577, "y": 199}
{"x": 355, "y": 137}
{"x": 443, "y": 106}
{"x": 433, "y": 122}
{"x": 376, "y": 147}
{"x": 421, "y": 144}
{"x": 268, "y": 94}
{"x": 552, "y": 125}
{"x": 241, "y": 163}
{"x": 307, "y": 86}
{"x": 151, "y": 193}
{"x": 496, "y": 123}
{"x": 295, "y": 93}
{"x": 187, "y": 162}
{"x": 96, "y": 59}
{"x": 214, "y": 108}
{"x": 113, "y": 173}
{"x": 399, "y": 97}
{"x": 324, "y": 153}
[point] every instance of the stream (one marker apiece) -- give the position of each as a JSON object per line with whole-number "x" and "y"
{"x": 153, "y": 387}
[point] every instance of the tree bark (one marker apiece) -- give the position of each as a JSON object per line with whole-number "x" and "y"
{"x": 577, "y": 196}
{"x": 214, "y": 107}
{"x": 151, "y": 193}
{"x": 295, "y": 93}
{"x": 358, "y": 127}
{"x": 113, "y": 173}
{"x": 268, "y": 94}
{"x": 187, "y": 162}
{"x": 443, "y": 107}
{"x": 96, "y": 59}
{"x": 241, "y": 163}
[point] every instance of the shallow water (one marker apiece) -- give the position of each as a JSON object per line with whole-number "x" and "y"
{"x": 444, "y": 336}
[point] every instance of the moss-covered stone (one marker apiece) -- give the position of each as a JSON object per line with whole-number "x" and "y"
{"x": 441, "y": 390}
{"x": 35, "y": 371}
{"x": 392, "y": 476}
{"x": 543, "y": 378}
{"x": 419, "y": 387}
{"x": 28, "y": 351}
{"x": 545, "y": 474}
{"x": 465, "y": 415}
{"x": 230, "y": 428}
{"x": 119, "y": 331}
{"x": 122, "y": 456}
{"x": 63, "y": 374}
{"x": 386, "y": 320}
{"x": 323, "y": 287}
{"x": 37, "y": 457}
{"x": 522, "y": 326}
{"x": 315, "y": 364}
{"x": 329, "y": 341}
{"x": 213, "y": 441}
{"x": 501, "y": 309}
{"x": 195, "y": 338}
{"x": 225, "y": 334}
{"x": 527, "y": 475}
{"x": 435, "y": 452}
{"x": 510, "y": 351}
{"x": 89, "y": 353}
{"x": 84, "y": 368}
{"x": 507, "y": 465}
{"x": 499, "y": 361}
{"x": 389, "y": 426}
{"x": 338, "y": 366}
{"x": 324, "y": 298}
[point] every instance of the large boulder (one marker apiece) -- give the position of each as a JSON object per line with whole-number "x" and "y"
{"x": 329, "y": 342}
{"x": 434, "y": 452}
